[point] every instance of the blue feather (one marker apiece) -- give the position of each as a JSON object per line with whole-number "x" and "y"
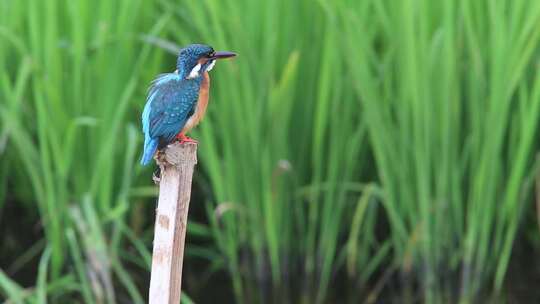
{"x": 171, "y": 100}
{"x": 150, "y": 145}
{"x": 150, "y": 148}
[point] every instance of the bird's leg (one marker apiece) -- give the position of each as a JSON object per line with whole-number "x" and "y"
{"x": 182, "y": 138}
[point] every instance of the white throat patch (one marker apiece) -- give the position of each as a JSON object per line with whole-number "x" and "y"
{"x": 194, "y": 72}
{"x": 211, "y": 65}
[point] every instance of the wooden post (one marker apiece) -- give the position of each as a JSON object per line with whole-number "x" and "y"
{"x": 177, "y": 162}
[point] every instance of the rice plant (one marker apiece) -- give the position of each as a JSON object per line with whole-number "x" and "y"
{"x": 282, "y": 148}
{"x": 70, "y": 74}
{"x": 450, "y": 94}
{"x": 352, "y": 147}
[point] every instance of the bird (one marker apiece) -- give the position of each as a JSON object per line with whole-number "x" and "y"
{"x": 176, "y": 102}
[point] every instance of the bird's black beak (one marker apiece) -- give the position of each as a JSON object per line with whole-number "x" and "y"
{"x": 223, "y": 55}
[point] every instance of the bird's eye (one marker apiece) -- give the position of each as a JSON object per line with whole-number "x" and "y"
{"x": 210, "y": 54}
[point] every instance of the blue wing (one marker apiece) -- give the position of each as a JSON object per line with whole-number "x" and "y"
{"x": 171, "y": 100}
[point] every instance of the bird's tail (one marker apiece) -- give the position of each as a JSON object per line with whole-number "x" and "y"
{"x": 150, "y": 147}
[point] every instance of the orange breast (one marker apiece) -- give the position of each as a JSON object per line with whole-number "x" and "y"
{"x": 202, "y": 103}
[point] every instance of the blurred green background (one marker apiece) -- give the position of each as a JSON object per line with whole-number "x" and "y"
{"x": 356, "y": 151}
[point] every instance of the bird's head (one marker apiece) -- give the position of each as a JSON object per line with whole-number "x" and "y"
{"x": 195, "y": 59}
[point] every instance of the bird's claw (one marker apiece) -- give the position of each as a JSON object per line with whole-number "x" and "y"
{"x": 182, "y": 138}
{"x": 188, "y": 140}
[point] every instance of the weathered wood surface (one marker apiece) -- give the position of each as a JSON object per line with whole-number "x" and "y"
{"x": 177, "y": 163}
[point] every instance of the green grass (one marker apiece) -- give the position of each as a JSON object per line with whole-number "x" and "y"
{"x": 281, "y": 143}
{"x": 70, "y": 75}
{"x": 349, "y": 144}
{"x": 450, "y": 93}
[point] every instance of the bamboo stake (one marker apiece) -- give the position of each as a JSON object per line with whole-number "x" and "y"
{"x": 177, "y": 163}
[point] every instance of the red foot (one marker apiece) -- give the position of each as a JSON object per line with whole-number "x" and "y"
{"x": 182, "y": 138}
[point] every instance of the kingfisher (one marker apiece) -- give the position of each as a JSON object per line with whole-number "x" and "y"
{"x": 177, "y": 101}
